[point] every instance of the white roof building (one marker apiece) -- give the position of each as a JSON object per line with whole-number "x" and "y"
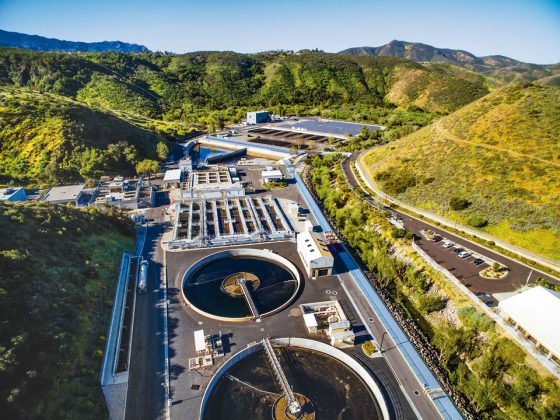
{"x": 310, "y": 321}
{"x": 65, "y": 194}
{"x": 315, "y": 255}
{"x": 199, "y": 341}
{"x": 537, "y": 312}
{"x": 172, "y": 176}
{"x": 271, "y": 175}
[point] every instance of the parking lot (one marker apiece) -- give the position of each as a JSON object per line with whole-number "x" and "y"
{"x": 465, "y": 268}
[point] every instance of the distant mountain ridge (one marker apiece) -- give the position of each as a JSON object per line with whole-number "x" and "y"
{"x": 504, "y": 68}
{"x": 417, "y": 51}
{"x": 41, "y": 43}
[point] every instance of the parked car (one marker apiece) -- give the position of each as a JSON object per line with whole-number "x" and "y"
{"x": 447, "y": 244}
{"x": 464, "y": 254}
{"x": 478, "y": 261}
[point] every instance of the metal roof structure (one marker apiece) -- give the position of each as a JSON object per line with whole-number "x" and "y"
{"x": 64, "y": 194}
{"x": 12, "y": 194}
{"x": 314, "y": 251}
{"x": 537, "y": 311}
{"x": 172, "y": 175}
{"x": 310, "y": 320}
{"x": 326, "y": 127}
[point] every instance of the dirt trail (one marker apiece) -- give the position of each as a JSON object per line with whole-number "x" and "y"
{"x": 443, "y": 132}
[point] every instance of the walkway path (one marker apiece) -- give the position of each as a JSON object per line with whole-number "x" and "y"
{"x": 445, "y": 133}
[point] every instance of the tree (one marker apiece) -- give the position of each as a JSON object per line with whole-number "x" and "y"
{"x": 162, "y": 150}
{"x": 147, "y": 166}
{"x": 458, "y": 203}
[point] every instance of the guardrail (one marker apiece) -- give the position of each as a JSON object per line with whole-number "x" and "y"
{"x": 514, "y": 333}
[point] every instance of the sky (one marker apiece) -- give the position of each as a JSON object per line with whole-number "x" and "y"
{"x": 527, "y": 30}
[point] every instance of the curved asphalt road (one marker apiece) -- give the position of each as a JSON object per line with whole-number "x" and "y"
{"x": 464, "y": 269}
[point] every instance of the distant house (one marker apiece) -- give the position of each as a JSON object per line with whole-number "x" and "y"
{"x": 13, "y": 194}
{"x": 315, "y": 255}
{"x": 258, "y": 117}
{"x": 66, "y": 194}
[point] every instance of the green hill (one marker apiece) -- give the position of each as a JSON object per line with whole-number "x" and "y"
{"x": 55, "y": 302}
{"x": 72, "y": 116}
{"x": 167, "y": 86}
{"x": 493, "y": 164}
{"x": 49, "y": 138}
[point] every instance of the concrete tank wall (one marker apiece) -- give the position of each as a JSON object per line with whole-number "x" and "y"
{"x": 306, "y": 344}
{"x": 265, "y": 254}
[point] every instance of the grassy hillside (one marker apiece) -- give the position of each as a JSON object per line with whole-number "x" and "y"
{"x": 168, "y": 86}
{"x": 494, "y": 164}
{"x": 54, "y": 311}
{"x": 499, "y": 379}
{"x": 72, "y": 116}
{"x": 550, "y": 80}
{"x": 48, "y": 138}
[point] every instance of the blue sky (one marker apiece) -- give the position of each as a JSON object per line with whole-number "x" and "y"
{"x": 527, "y": 30}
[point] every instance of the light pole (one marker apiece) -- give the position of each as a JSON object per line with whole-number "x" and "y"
{"x": 382, "y": 338}
{"x": 528, "y": 278}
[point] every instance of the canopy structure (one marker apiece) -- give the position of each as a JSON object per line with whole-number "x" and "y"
{"x": 537, "y": 312}
{"x": 199, "y": 341}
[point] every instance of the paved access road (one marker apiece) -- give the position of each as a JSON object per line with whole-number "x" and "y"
{"x": 464, "y": 269}
{"x": 146, "y": 395}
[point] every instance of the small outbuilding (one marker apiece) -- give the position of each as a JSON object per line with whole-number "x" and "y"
{"x": 172, "y": 178}
{"x": 271, "y": 175}
{"x": 315, "y": 255}
{"x": 258, "y": 117}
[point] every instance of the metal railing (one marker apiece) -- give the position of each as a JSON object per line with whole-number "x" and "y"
{"x": 293, "y": 404}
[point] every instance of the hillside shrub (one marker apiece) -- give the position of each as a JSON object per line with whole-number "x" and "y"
{"x": 472, "y": 319}
{"x": 477, "y": 221}
{"x": 458, "y": 203}
{"x": 398, "y": 233}
{"x": 430, "y": 302}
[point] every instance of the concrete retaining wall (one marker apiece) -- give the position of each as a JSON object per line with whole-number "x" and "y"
{"x": 253, "y": 149}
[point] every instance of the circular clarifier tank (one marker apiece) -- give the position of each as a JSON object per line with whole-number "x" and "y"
{"x": 327, "y": 387}
{"x": 217, "y": 285}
